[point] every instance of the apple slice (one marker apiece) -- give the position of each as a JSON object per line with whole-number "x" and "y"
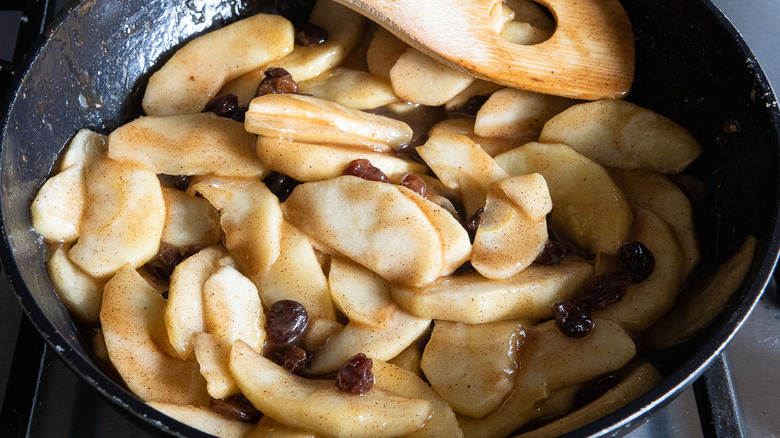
{"x": 473, "y": 299}
{"x": 319, "y": 406}
{"x": 473, "y": 367}
{"x": 132, "y": 321}
{"x": 477, "y": 88}
{"x": 616, "y": 133}
{"x": 420, "y": 79}
{"x": 383, "y": 52}
{"x": 214, "y": 359}
{"x": 80, "y": 293}
{"x": 57, "y": 209}
{"x": 309, "y": 119}
{"x": 297, "y": 275}
{"x": 191, "y": 144}
{"x": 382, "y": 344}
{"x": 461, "y": 165}
{"x": 267, "y": 427}
{"x": 352, "y": 88}
{"x": 589, "y": 209}
{"x": 315, "y": 162}
{"x": 251, "y": 218}
{"x": 189, "y": 220}
{"x": 372, "y": 223}
{"x": 409, "y": 359}
{"x": 510, "y": 113}
{"x": 123, "y": 219}
{"x": 205, "y": 419}
{"x": 492, "y": 145}
{"x": 84, "y": 148}
{"x": 197, "y": 71}
{"x": 513, "y": 228}
{"x": 361, "y": 295}
{"x": 232, "y": 308}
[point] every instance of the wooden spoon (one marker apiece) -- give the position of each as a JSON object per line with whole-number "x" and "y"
{"x": 589, "y": 56}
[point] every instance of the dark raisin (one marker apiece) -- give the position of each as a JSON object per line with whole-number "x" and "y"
{"x": 295, "y": 360}
{"x": 472, "y": 223}
{"x": 552, "y": 253}
{"x": 355, "y": 376}
{"x": 363, "y": 168}
{"x": 597, "y": 387}
{"x": 310, "y": 34}
{"x": 637, "y": 260}
{"x": 286, "y": 321}
{"x": 225, "y": 105}
{"x": 571, "y": 319}
{"x": 472, "y": 106}
{"x": 280, "y": 185}
{"x": 181, "y": 182}
{"x": 604, "y": 290}
{"x": 415, "y": 183}
{"x": 236, "y": 407}
{"x": 276, "y": 81}
{"x": 163, "y": 264}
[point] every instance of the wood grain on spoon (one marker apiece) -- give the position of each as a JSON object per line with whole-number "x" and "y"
{"x": 589, "y": 56}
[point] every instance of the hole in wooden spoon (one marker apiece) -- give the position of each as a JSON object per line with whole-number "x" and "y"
{"x": 526, "y": 22}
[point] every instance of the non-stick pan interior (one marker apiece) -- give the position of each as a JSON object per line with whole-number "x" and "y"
{"x": 91, "y": 67}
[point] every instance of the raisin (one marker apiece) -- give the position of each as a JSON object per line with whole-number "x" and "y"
{"x": 236, "y": 407}
{"x": 181, "y": 182}
{"x": 225, "y": 105}
{"x": 163, "y": 264}
{"x": 472, "y": 223}
{"x": 276, "y": 81}
{"x": 310, "y": 34}
{"x": 295, "y": 360}
{"x": 604, "y": 290}
{"x": 472, "y": 106}
{"x": 597, "y": 387}
{"x": 286, "y": 321}
{"x": 363, "y": 168}
{"x": 280, "y": 184}
{"x": 571, "y": 319}
{"x": 637, "y": 260}
{"x": 415, "y": 183}
{"x": 355, "y": 376}
{"x": 552, "y": 253}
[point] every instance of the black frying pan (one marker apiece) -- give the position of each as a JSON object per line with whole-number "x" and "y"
{"x": 90, "y": 68}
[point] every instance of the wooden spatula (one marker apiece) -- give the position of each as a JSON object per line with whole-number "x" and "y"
{"x": 590, "y": 55}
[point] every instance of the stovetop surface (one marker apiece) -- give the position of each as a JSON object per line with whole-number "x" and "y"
{"x": 68, "y": 407}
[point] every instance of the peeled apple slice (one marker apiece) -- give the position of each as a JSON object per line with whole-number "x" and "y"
{"x": 204, "y": 419}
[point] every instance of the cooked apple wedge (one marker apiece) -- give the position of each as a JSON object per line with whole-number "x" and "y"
{"x": 513, "y": 228}
{"x": 492, "y": 145}
{"x": 372, "y": 223}
{"x": 477, "y": 88}
{"x": 411, "y": 76}
{"x": 352, "y": 88}
{"x": 123, "y": 219}
{"x": 309, "y": 119}
{"x": 361, "y": 295}
{"x": 319, "y": 406}
{"x": 616, "y": 133}
{"x": 473, "y": 299}
{"x": 382, "y": 344}
{"x": 232, "y": 309}
{"x": 267, "y": 427}
{"x": 205, "y": 419}
{"x": 84, "y": 148}
{"x": 383, "y": 52}
{"x": 308, "y": 162}
{"x": 251, "y": 219}
{"x": 214, "y": 360}
{"x": 197, "y": 71}
{"x": 57, "y": 209}
{"x": 297, "y": 275}
{"x": 589, "y": 209}
{"x": 191, "y": 144}
{"x": 79, "y": 292}
{"x": 473, "y": 367}
{"x": 511, "y": 113}
{"x": 647, "y": 301}
{"x": 461, "y": 165}
{"x": 189, "y": 220}
{"x": 132, "y": 320}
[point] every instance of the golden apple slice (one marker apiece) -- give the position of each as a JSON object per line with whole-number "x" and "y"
{"x": 319, "y": 406}
{"x": 232, "y": 309}
{"x": 84, "y": 148}
{"x": 79, "y": 292}
{"x": 361, "y": 295}
{"x": 195, "y": 73}
{"x": 309, "y": 119}
{"x": 473, "y": 367}
{"x": 132, "y": 320}
{"x": 513, "y": 228}
{"x": 189, "y": 220}
{"x": 477, "y": 88}
{"x": 409, "y": 359}
{"x": 616, "y": 133}
{"x": 647, "y": 301}
{"x": 382, "y": 344}
{"x": 372, "y": 223}
{"x": 383, "y": 52}
{"x": 703, "y": 301}
{"x": 267, "y": 427}
{"x": 205, "y": 419}
{"x": 214, "y": 360}
{"x": 492, "y": 145}
{"x": 191, "y": 144}
{"x": 473, "y": 299}
{"x": 184, "y": 308}
{"x": 297, "y": 275}
{"x": 655, "y": 192}
{"x": 123, "y": 219}
{"x": 352, "y": 88}
{"x": 251, "y": 218}
{"x": 57, "y": 209}
{"x": 589, "y": 209}
{"x": 511, "y": 113}
{"x": 315, "y": 162}
{"x": 461, "y": 165}
{"x": 418, "y": 78}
